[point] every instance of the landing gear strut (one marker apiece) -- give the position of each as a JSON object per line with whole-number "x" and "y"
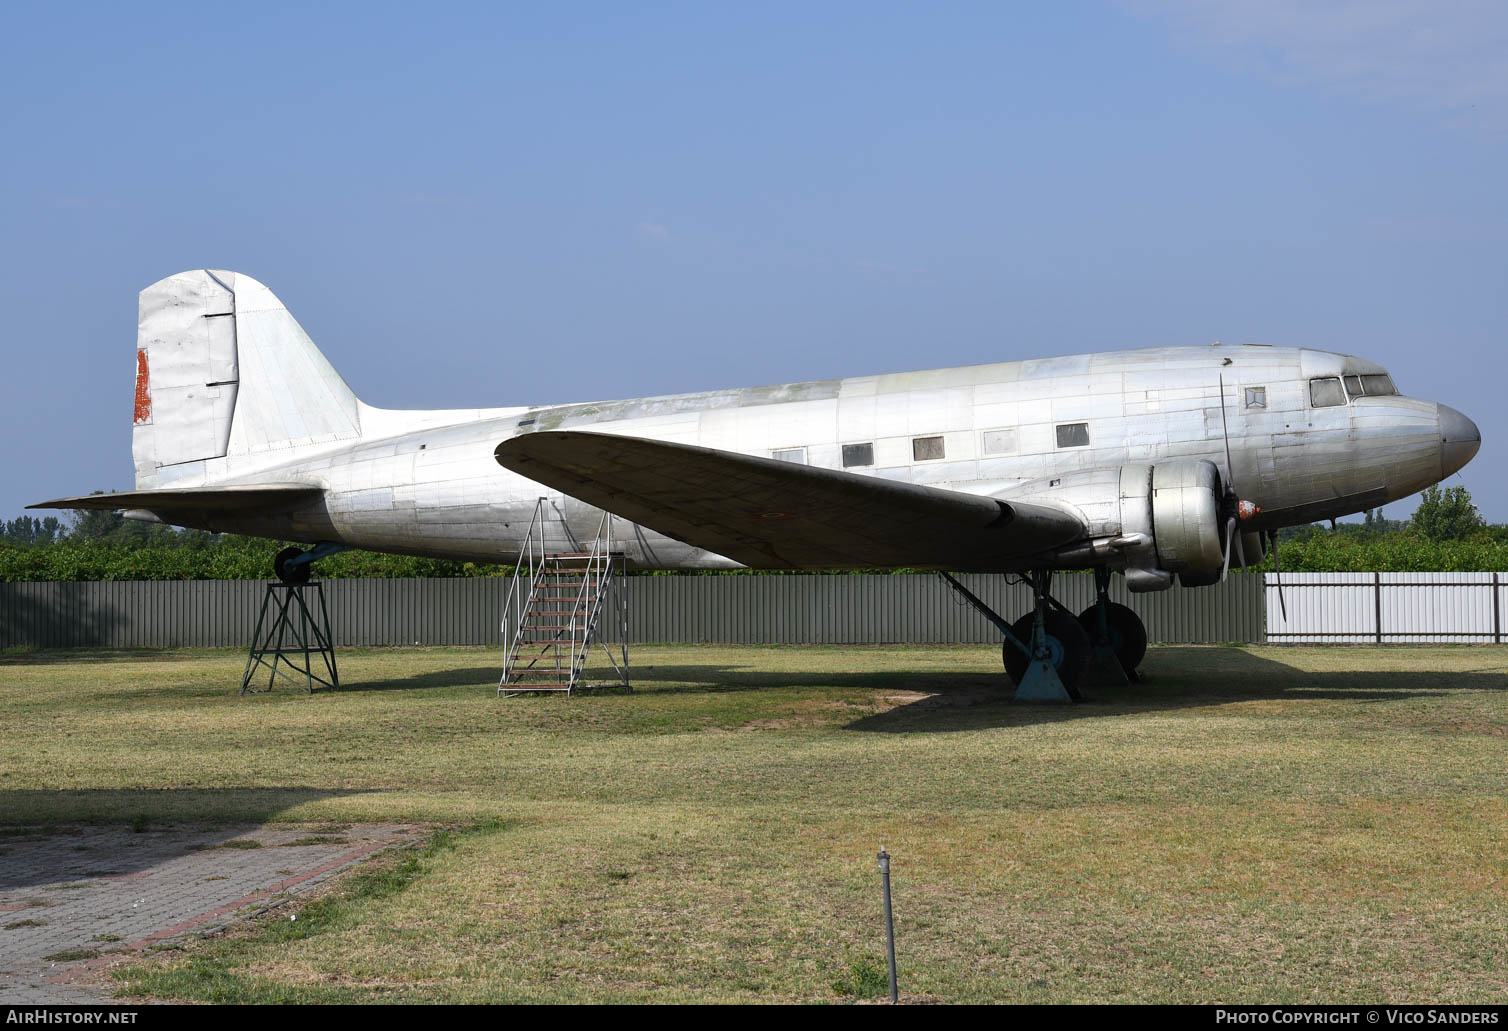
{"x": 1045, "y": 650}
{"x": 1056, "y": 641}
{"x": 1116, "y": 634}
{"x": 1048, "y": 651}
{"x": 293, "y": 565}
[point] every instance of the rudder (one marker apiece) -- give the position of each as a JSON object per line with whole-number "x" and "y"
{"x": 223, "y": 370}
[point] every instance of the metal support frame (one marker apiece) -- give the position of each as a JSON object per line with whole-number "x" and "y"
{"x": 1041, "y": 682}
{"x": 296, "y": 628}
{"x": 577, "y": 591}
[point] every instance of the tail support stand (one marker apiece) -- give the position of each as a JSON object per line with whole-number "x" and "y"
{"x": 295, "y": 629}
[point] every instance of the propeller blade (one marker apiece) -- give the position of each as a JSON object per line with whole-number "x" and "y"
{"x": 1230, "y": 470}
{"x": 1272, "y": 538}
{"x": 1230, "y": 533}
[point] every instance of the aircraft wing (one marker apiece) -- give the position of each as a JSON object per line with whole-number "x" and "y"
{"x": 241, "y": 497}
{"x": 770, "y": 514}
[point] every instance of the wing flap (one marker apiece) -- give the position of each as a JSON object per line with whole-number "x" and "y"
{"x": 240, "y": 497}
{"x": 770, "y": 514}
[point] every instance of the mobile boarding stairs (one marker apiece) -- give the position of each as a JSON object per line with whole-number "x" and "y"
{"x": 558, "y": 604}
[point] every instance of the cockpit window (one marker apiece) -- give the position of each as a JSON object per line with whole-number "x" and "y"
{"x": 1326, "y": 392}
{"x": 1353, "y": 385}
{"x": 1378, "y": 385}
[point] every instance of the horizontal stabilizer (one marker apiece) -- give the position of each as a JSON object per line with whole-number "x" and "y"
{"x": 779, "y": 515}
{"x": 242, "y": 497}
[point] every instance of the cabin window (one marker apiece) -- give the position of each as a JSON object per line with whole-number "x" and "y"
{"x": 926, "y": 449}
{"x": 1256, "y": 397}
{"x": 1073, "y": 434}
{"x": 790, "y": 454}
{"x": 999, "y": 442}
{"x": 857, "y": 454}
{"x": 1326, "y": 393}
{"x": 1378, "y": 386}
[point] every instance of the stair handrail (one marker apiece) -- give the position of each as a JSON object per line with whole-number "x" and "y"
{"x": 589, "y": 596}
{"x": 516, "y": 602}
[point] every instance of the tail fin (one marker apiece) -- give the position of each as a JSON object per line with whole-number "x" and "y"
{"x": 223, "y": 370}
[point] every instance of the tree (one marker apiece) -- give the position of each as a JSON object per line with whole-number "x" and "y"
{"x": 1375, "y": 522}
{"x": 27, "y": 531}
{"x": 93, "y": 523}
{"x": 1446, "y": 515}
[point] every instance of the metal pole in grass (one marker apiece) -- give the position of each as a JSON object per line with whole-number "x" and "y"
{"x": 884, "y": 858}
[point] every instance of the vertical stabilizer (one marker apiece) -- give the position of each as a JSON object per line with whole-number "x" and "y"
{"x": 223, "y": 371}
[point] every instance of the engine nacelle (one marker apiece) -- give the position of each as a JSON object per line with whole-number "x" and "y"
{"x": 1175, "y": 506}
{"x": 1152, "y": 521}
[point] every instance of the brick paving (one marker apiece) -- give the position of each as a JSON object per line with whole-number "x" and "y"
{"x": 73, "y": 901}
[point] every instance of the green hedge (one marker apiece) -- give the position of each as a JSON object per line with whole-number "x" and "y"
{"x": 226, "y": 558}
{"x": 170, "y": 556}
{"x": 1321, "y": 551}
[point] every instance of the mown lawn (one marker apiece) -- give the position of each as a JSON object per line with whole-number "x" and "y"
{"x": 1249, "y": 824}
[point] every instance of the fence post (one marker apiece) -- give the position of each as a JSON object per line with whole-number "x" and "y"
{"x": 1377, "y": 603}
{"x": 1498, "y": 623}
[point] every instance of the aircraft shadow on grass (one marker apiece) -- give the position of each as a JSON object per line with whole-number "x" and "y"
{"x": 1172, "y": 679}
{"x": 709, "y": 678}
{"x": 470, "y": 676}
{"x": 84, "y": 828}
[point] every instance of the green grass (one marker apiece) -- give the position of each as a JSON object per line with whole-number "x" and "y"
{"x": 1274, "y": 825}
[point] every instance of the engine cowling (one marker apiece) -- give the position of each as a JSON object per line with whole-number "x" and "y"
{"x": 1177, "y": 505}
{"x": 1154, "y": 521}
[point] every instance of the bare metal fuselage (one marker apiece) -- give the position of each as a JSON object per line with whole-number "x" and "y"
{"x": 427, "y": 483}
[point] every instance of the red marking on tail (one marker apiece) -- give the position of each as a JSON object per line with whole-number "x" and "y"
{"x": 143, "y": 389}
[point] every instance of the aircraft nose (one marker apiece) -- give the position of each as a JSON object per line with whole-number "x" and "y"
{"x": 1459, "y": 439}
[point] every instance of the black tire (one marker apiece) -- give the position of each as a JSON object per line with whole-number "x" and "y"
{"x": 1128, "y": 635}
{"x": 1065, "y": 637}
{"x": 290, "y": 574}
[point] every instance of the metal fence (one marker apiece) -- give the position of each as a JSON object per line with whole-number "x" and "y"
{"x": 798, "y": 609}
{"x": 1388, "y": 608}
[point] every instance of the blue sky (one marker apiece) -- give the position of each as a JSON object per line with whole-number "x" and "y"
{"x": 498, "y": 204}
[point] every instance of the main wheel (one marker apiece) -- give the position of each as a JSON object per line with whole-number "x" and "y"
{"x": 1128, "y": 635}
{"x": 288, "y": 573}
{"x": 1067, "y": 644}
